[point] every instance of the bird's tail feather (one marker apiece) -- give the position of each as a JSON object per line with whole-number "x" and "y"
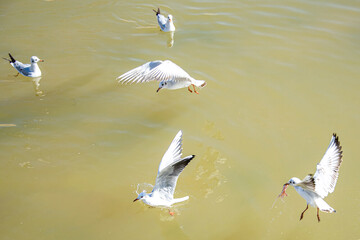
{"x": 323, "y": 206}
{"x": 200, "y": 83}
{"x": 177, "y": 200}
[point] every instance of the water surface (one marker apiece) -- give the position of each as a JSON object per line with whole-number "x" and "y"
{"x": 74, "y": 145}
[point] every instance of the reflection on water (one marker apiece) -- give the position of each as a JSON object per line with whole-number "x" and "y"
{"x": 36, "y": 83}
{"x": 171, "y": 39}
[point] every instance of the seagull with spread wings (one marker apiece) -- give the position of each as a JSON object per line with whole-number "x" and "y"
{"x": 314, "y": 188}
{"x": 170, "y": 168}
{"x": 170, "y": 76}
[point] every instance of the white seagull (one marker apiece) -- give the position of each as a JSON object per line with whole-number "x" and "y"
{"x": 28, "y": 70}
{"x": 313, "y": 188}
{"x": 166, "y": 24}
{"x": 170, "y": 168}
{"x": 170, "y": 75}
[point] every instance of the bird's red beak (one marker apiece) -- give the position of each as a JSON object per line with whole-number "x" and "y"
{"x": 158, "y": 89}
{"x": 135, "y": 199}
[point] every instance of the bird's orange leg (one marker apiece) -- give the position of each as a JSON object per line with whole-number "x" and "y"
{"x": 302, "y": 214}
{"x": 189, "y": 89}
{"x": 171, "y": 213}
{"x": 318, "y": 215}
{"x": 194, "y": 89}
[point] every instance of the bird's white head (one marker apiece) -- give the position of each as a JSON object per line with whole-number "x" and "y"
{"x": 35, "y": 59}
{"x": 293, "y": 181}
{"x": 170, "y": 17}
{"x": 162, "y": 84}
{"x": 140, "y": 196}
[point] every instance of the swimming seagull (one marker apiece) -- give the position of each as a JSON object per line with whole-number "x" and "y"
{"x": 170, "y": 168}
{"x": 28, "y": 70}
{"x": 313, "y": 188}
{"x": 166, "y": 24}
{"x": 170, "y": 75}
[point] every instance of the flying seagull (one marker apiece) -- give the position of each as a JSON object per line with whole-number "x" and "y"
{"x": 170, "y": 168}
{"x": 166, "y": 24}
{"x": 28, "y": 70}
{"x": 313, "y": 188}
{"x": 170, "y": 75}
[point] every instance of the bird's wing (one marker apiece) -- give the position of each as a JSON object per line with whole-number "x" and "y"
{"x": 327, "y": 171}
{"x": 162, "y": 21}
{"x": 173, "y": 153}
{"x": 308, "y": 183}
{"x": 21, "y": 67}
{"x": 155, "y": 70}
{"x": 139, "y": 74}
{"x": 166, "y": 180}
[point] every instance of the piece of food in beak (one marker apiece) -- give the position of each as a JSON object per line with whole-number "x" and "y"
{"x": 283, "y": 193}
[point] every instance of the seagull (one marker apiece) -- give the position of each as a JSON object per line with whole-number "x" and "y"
{"x": 166, "y": 24}
{"x": 170, "y": 75}
{"x": 170, "y": 168}
{"x": 28, "y": 70}
{"x": 313, "y": 188}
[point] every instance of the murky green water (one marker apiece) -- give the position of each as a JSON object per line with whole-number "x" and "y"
{"x": 74, "y": 145}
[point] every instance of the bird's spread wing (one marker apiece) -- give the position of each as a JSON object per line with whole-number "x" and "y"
{"x": 327, "y": 171}
{"x": 166, "y": 180}
{"x": 173, "y": 153}
{"x": 156, "y": 70}
{"x": 139, "y": 74}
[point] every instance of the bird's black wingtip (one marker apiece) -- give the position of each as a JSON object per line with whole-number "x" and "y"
{"x": 12, "y": 59}
{"x": 189, "y": 158}
{"x": 157, "y": 12}
{"x": 336, "y": 138}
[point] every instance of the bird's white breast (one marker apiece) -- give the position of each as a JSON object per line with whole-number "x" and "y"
{"x": 177, "y": 84}
{"x": 307, "y": 195}
{"x": 155, "y": 202}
